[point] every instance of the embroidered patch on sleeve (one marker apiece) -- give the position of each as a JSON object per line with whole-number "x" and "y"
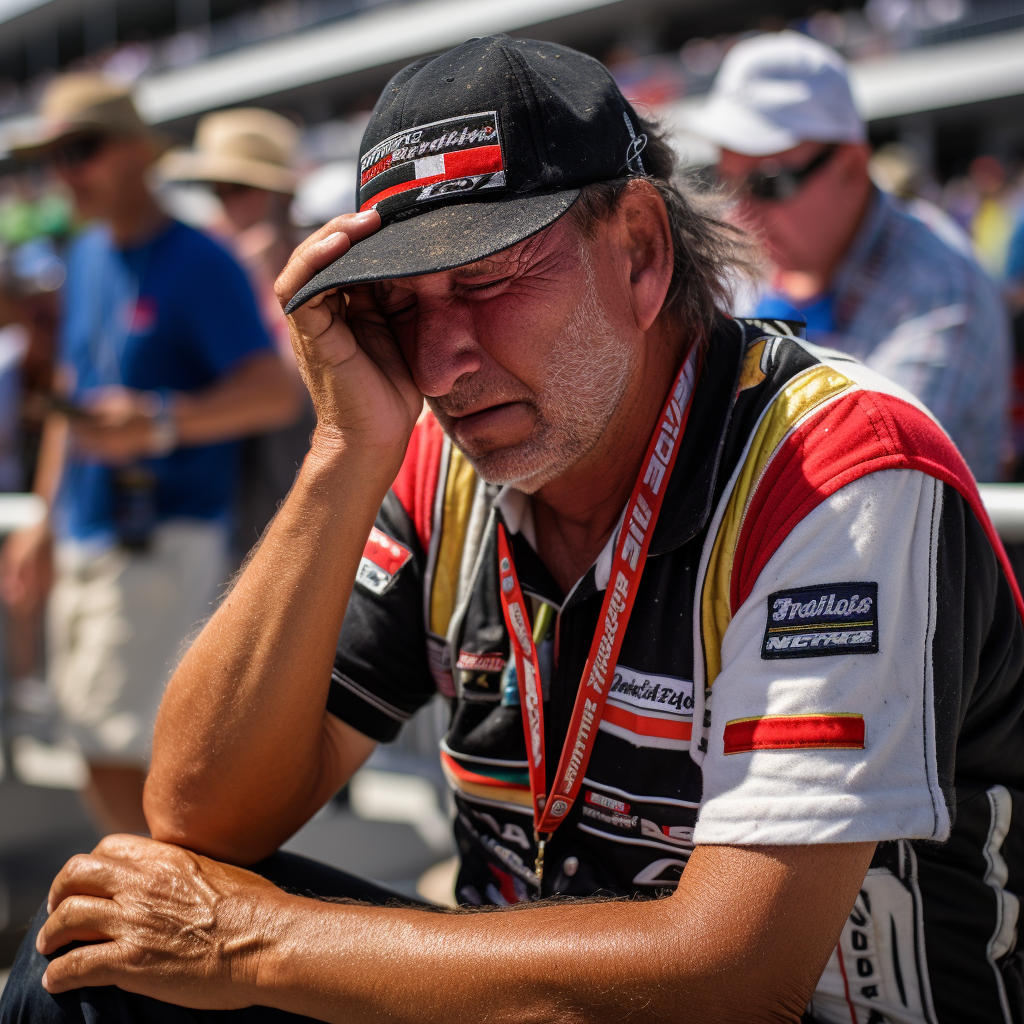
{"x": 382, "y": 558}
{"x": 794, "y": 732}
{"x": 813, "y": 622}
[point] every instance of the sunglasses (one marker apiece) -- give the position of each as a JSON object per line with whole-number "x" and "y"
{"x": 772, "y": 183}
{"x": 78, "y": 151}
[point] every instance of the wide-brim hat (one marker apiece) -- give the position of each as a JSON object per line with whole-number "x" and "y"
{"x": 82, "y": 103}
{"x": 477, "y": 149}
{"x": 247, "y": 146}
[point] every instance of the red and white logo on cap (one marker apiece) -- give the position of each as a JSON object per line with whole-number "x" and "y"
{"x": 449, "y": 157}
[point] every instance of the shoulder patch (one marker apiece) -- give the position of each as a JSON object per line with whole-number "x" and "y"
{"x": 814, "y": 622}
{"x": 382, "y": 558}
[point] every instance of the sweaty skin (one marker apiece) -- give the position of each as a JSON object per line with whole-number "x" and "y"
{"x": 244, "y": 752}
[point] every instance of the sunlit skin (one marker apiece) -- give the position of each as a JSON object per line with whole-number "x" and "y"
{"x": 806, "y": 236}
{"x": 244, "y": 752}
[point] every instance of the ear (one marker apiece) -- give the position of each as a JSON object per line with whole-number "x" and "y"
{"x": 646, "y": 241}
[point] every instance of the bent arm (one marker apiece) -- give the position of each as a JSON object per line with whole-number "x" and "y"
{"x": 244, "y": 751}
{"x": 259, "y": 395}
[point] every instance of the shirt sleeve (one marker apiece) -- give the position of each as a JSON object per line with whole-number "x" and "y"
{"x": 381, "y": 675}
{"x": 823, "y": 723}
{"x": 225, "y": 321}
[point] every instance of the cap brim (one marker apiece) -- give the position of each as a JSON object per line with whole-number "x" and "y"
{"x": 731, "y": 125}
{"x": 441, "y": 239}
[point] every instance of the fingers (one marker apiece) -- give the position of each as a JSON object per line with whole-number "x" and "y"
{"x": 322, "y": 248}
{"x": 84, "y": 967}
{"x": 79, "y": 919}
{"x": 85, "y": 875}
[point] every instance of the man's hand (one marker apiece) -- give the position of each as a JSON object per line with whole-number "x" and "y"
{"x": 160, "y": 921}
{"x": 120, "y": 427}
{"x": 26, "y": 567}
{"x": 356, "y": 374}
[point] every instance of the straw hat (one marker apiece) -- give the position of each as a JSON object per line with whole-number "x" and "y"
{"x": 82, "y": 102}
{"x": 247, "y": 146}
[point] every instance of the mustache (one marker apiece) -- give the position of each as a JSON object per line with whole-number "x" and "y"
{"x": 474, "y": 392}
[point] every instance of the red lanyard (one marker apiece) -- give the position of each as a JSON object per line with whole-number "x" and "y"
{"x": 623, "y": 581}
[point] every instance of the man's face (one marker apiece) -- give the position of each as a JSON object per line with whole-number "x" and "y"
{"x": 102, "y": 172}
{"x": 524, "y": 356}
{"x": 803, "y": 231}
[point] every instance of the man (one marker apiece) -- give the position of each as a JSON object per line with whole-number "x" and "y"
{"x": 614, "y": 559}
{"x": 159, "y": 382}
{"x": 869, "y": 279}
{"x": 247, "y": 156}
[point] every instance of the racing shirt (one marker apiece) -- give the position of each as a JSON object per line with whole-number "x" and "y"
{"x": 826, "y": 646}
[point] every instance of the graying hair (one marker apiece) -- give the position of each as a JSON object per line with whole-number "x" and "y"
{"x": 710, "y": 254}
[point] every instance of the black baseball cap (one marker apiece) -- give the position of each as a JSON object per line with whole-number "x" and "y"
{"x": 475, "y": 150}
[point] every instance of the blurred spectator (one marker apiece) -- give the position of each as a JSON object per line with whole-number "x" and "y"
{"x": 247, "y": 156}
{"x": 163, "y": 363}
{"x": 992, "y": 222}
{"x": 30, "y": 275}
{"x": 896, "y": 169}
{"x": 867, "y": 278}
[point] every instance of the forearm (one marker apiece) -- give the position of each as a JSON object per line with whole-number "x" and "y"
{"x": 50, "y": 465}
{"x": 744, "y": 938}
{"x": 568, "y": 963}
{"x": 260, "y": 395}
{"x": 240, "y": 744}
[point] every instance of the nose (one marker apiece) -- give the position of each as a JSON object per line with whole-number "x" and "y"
{"x": 445, "y": 348}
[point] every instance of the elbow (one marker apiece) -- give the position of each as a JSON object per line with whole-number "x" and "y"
{"x": 174, "y": 818}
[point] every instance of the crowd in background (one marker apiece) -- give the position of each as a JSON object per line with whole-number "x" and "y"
{"x": 235, "y": 202}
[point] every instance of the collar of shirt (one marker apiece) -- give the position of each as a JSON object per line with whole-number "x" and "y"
{"x": 690, "y": 493}
{"x": 855, "y": 262}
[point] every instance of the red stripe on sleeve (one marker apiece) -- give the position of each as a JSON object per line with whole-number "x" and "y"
{"x": 794, "y": 732}
{"x": 416, "y": 483}
{"x": 860, "y": 433}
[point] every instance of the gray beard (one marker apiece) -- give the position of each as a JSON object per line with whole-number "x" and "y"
{"x": 590, "y": 369}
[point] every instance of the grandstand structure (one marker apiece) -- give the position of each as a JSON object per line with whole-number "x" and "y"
{"x": 947, "y": 75}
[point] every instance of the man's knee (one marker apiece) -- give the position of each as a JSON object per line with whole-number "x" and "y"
{"x": 25, "y": 1001}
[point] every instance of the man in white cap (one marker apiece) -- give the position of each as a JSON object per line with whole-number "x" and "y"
{"x": 867, "y": 278}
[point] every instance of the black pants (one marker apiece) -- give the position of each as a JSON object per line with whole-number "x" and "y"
{"x": 26, "y": 1002}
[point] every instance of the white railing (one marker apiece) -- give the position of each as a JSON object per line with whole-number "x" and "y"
{"x": 20, "y": 510}
{"x": 1005, "y": 504}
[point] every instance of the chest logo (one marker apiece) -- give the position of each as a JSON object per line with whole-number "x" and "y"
{"x": 382, "y": 558}
{"x": 814, "y": 622}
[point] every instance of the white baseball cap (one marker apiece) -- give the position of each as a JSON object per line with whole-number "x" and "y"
{"x": 776, "y": 90}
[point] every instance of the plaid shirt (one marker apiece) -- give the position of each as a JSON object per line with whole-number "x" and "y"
{"x": 930, "y": 319}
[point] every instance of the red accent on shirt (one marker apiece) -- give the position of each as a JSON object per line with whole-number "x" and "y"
{"x": 859, "y": 433}
{"x": 416, "y": 483}
{"x": 794, "y": 732}
{"x": 385, "y": 553}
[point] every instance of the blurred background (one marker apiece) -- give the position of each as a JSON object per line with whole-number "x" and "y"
{"x": 939, "y": 82}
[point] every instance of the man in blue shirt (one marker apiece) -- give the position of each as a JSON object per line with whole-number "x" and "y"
{"x": 165, "y": 364}
{"x": 867, "y": 278}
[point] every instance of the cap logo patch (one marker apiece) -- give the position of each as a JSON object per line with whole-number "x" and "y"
{"x": 813, "y": 622}
{"x": 432, "y": 161}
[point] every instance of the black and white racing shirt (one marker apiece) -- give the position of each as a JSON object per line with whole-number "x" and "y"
{"x": 826, "y": 646}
